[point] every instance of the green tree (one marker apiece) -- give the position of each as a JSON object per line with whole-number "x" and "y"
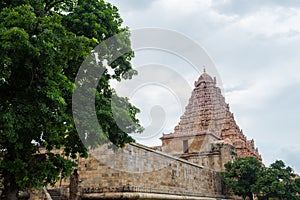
{"x": 241, "y": 175}
{"x": 42, "y": 45}
{"x": 296, "y": 189}
{"x": 277, "y": 181}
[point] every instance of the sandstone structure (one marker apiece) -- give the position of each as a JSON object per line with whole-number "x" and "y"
{"x": 207, "y": 133}
{"x": 139, "y": 172}
{"x": 186, "y": 166}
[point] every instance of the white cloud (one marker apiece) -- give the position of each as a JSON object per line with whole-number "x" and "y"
{"x": 261, "y": 91}
{"x": 278, "y": 21}
{"x": 183, "y": 8}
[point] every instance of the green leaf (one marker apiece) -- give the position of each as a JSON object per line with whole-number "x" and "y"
{"x": 43, "y": 44}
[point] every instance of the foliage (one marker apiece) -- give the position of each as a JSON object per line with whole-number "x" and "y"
{"x": 43, "y": 44}
{"x": 241, "y": 174}
{"x": 276, "y": 181}
{"x": 247, "y": 177}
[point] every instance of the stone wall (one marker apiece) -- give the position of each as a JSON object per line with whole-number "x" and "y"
{"x": 140, "y": 169}
{"x": 172, "y": 144}
{"x": 220, "y": 154}
{"x": 203, "y": 149}
{"x": 37, "y": 194}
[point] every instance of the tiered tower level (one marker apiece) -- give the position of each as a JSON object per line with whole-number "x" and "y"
{"x": 207, "y": 133}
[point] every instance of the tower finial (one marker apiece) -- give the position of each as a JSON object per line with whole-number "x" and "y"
{"x": 204, "y": 70}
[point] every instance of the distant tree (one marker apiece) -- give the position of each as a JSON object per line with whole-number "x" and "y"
{"x": 246, "y": 176}
{"x": 296, "y": 189}
{"x": 241, "y": 175}
{"x": 277, "y": 181}
{"x": 42, "y": 45}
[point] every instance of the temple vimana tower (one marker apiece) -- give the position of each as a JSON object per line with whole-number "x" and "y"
{"x": 207, "y": 133}
{"x": 186, "y": 166}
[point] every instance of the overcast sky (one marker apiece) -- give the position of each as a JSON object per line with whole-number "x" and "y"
{"x": 255, "y": 46}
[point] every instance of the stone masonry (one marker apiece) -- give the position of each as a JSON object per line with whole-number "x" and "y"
{"x": 143, "y": 172}
{"x": 186, "y": 166}
{"x": 207, "y": 133}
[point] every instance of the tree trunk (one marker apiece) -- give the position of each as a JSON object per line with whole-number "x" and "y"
{"x": 251, "y": 196}
{"x": 9, "y": 193}
{"x": 11, "y": 189}
{"x": 74, "y": 180}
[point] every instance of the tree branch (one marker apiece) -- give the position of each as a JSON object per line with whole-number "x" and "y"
{"x": 51, "y": 4}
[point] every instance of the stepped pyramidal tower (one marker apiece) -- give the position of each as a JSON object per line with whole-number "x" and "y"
{"x": 207, "y": 133}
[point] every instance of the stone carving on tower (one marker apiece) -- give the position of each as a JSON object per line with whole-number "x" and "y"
{"x": 207, "y": 133}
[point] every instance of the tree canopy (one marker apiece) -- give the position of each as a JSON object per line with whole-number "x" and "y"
{"x": 276, "y": 181}
{"x": 247, "y": 177}
{"x": 241, "y": 175}
{"x": 43, "y": 44}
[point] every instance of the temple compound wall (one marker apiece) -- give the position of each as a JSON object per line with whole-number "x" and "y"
{"x": 139, "y": 172}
